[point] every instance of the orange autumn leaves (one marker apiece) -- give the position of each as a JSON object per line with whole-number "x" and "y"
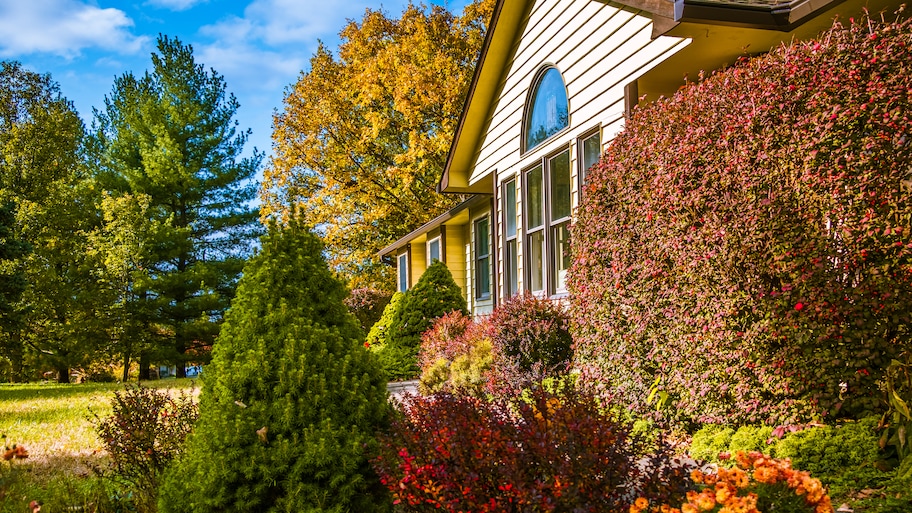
{"x": 364, "y": 134}
{"x": 736, "y": 490}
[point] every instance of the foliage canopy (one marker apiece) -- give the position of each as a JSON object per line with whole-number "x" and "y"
{"x": 364, "y": 135}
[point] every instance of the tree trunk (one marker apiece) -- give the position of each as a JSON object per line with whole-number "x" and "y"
{"x": 126, "y": 366}
{"x": 144, "y": 374}
{"x": 63, "y": 373}
{"x": 16, "y": 357}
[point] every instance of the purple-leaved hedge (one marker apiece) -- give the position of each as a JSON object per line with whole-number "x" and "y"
{"x": 743, "y": 248}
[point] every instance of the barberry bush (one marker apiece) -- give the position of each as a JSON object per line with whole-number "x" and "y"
{"x": 367, "y": 305}
{"x": 292, "y": 399}
{"x": 553, "y": 451}
{"x": 144, "y": 433}
{"x": 756, "y": 264}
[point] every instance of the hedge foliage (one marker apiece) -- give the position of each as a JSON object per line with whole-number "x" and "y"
{"x": 755, "y": 261}
{"x": 292, "y": 400}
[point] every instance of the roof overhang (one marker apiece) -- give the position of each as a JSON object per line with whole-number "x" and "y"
{"x": 503, "y": 33}
{"x": 454, "y": 215}
{"x": 756, "y": 14}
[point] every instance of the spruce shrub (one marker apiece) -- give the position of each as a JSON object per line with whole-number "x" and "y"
{"x": 747, "y": 241}
{"x": 435, "y": 295}
{"x": 291, "y": 400}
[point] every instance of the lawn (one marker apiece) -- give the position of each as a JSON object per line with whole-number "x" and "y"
{"x": 55, "y": 424}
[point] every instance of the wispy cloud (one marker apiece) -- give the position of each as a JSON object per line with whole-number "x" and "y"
{"x": 174, "y": 5}
{"x": 64, "y": 27}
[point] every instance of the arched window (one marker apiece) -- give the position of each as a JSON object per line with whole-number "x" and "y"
{"x": 548, "y": 111}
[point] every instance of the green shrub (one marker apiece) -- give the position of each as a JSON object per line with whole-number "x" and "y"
{"x": 710, "y": 441}
{"x": 379, "y": 332}
{"x": 291, "y": 400}
{"x": 747, "y": 241}
{"x": 435, "y": 295}
{"x": 846, "y": 458}
{"x": 752, "y": 438}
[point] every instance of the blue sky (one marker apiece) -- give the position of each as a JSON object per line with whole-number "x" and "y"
{"x": 259, "y": 46}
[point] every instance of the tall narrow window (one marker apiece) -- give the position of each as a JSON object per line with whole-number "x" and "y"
{"x": 511, "y": 265}
{"x": 548, "y": 111}
{"x": 590, "y": 149}
{"x": 402, "y": 271}
{"x": 433, "y": 250}
{"x": 559, "y": 173}
{"x": 535, "y": 229}
{"x": 482, "y": 258}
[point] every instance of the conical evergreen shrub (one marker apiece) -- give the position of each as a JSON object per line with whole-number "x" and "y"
{"x": 291, "y": 401}
{"x": 435, "y": 295}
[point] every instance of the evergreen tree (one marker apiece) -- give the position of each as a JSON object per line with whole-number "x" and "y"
{"x": 170, "y": 136}
{"x": 435, "y": 294}
{"x": 291, "y": 400}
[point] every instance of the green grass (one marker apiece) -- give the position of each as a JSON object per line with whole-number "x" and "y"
{"x": 55, "y": 424}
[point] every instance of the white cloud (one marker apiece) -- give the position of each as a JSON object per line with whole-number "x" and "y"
{"x": 174, "y": 5}
{"x": 63, "y": 27}
{"x": 282, "y": 22}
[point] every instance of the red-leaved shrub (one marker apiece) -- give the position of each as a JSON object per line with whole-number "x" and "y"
{"x": 554, "y": 451}
{"x": 524, "y": 341}
{"x": 744, "y": 247}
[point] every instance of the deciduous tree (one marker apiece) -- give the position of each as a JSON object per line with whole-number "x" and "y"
{"x": 364, "y": 135}
{"x": 43, "y": 176}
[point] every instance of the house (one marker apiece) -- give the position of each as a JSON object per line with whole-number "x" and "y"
{"x": 553, "y": 84}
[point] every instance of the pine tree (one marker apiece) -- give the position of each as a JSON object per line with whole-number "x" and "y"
{"x": 291, "y": 400}
{"x": 170, "y": 136}
{"x": 435, "y": 294}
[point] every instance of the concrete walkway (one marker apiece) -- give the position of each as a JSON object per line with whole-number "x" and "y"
{"x": 397, "y": 389}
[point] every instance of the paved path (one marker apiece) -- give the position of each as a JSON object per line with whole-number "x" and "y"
{"x": 398, "y": 388}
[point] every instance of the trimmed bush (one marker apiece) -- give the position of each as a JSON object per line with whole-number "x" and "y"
{"x": 379, "y": 332}
{"x": 291, "y": 400}
{"x": 756, "y": 261}
{"x": 531, "y": 340}
{"x": 435, "y": 295}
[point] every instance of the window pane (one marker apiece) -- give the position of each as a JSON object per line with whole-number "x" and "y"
{"x": 560, "y": 185}
{"x": 591, "y": 151}
{"x": 548, "y": 112}
{"x": 534, "y": 198}
{"x": 433, "y": 251}
{"x": 510, "y": 208}
{"x": 536, "y": 260}
{"x": 511, "y": 283}
{"x": 402, "y": 270}
{"x": 560, "y": 256}
{"x": 482, "y": 260}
